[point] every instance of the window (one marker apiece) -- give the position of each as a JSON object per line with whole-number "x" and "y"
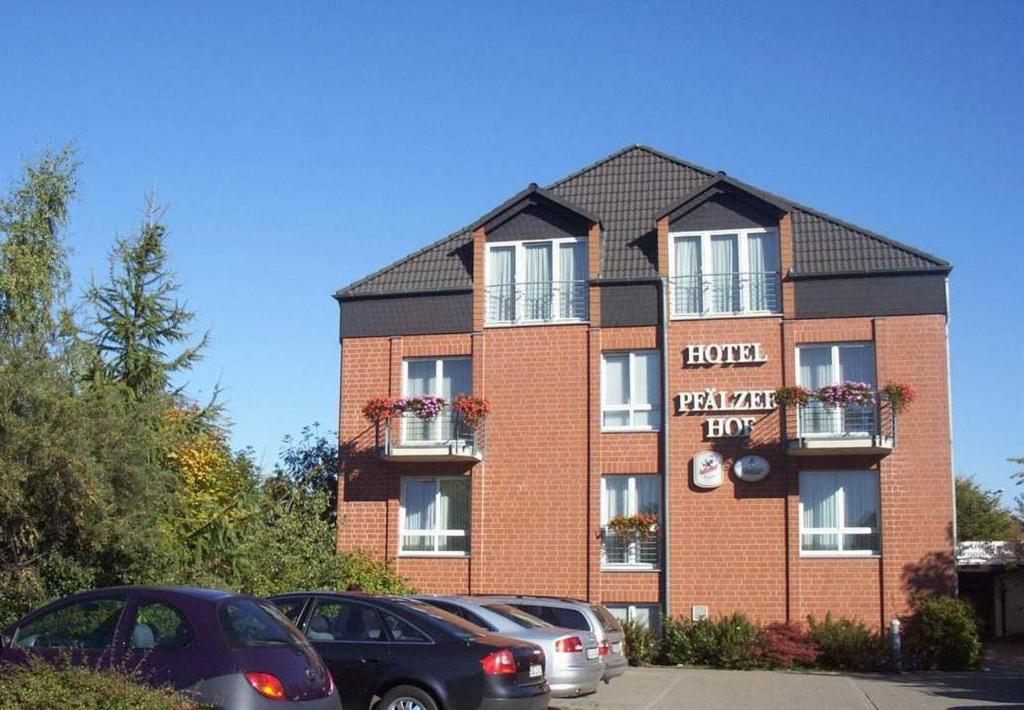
{"x": 250, "y": 624}
{"x": 435, "y": 516}
{"x": 292, "y": 608}
{"x": 728, "y": 272}
{"x": 839, "y": 513}
{"x": 446, "y": 378}
{"x": 646, "y": 614}
{"x": 631, "y": 391}
{"x": 627, "y": 495}
{"x": 822, "y": 365}
{"x": 87, "y": 625}
{"x": 345, "y": 621}
{"x": 537, "y": 282}
{"x": 562, "y": 617}
{"x": 159, "y": 627}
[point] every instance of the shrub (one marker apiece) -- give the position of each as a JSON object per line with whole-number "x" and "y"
{"x": 40, "y": 686}
{"x": 787, "y": 646}
{"x": 943, "y": 633}
{"x": 728, "y": 642}
{"x": 641, "y": 643}
{"x": 847, "y": 645}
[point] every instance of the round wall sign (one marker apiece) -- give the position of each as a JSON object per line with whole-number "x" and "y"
{"x": 751, "y": 468}
{"x": 707, "y": 469}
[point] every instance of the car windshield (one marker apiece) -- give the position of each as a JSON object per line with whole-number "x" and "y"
{"x": 452, "y": 623}
{"x": 527, "y": 621}
{"x": 608, "y": 620}
{"x": 248, "y": 624}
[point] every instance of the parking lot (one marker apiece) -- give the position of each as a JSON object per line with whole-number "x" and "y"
{"x": 671, "y": 688}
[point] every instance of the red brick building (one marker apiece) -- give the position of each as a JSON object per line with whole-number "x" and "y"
{"x": 629, "y": 326}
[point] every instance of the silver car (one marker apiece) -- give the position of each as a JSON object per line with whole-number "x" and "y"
{"x": 582, "y": 616}
{"x": 574, "y": 664}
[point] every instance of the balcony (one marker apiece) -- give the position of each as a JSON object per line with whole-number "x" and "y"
{"x": 824, "y": 430}
{"x": 526, "y": 303}
{"x": 726, "y": 294}
{"x": 629, "y": 551}
{"x": 446, "y": 437}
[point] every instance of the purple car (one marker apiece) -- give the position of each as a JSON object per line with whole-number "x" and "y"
{"x": 230, "y": 651}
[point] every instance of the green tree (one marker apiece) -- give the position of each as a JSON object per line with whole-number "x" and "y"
{"x": 138, "y": 317}
{"x": 312, "y": 463}
{"x": 33, "y": 259}
{"x": 979, "y": 513}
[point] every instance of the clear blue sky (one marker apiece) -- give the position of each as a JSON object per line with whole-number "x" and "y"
{"x": 303, "y": 145}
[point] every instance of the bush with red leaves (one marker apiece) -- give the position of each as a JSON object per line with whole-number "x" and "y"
{"x": 787, "y": 646}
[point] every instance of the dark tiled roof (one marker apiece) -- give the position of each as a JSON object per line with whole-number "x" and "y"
{"x": 628, "y": 191}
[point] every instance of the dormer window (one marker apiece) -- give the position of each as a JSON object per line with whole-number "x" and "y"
{"x": 725, "y": 273}
{"x": 537, "y": 281}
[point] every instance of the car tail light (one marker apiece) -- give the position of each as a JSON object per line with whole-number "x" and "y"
{"x": 604, "y": 649}
{"x": 331, "y": 687}
{"x": 267, "y": 685}
{"x": 499, "y": 663}
{"x": 570, "y": 644}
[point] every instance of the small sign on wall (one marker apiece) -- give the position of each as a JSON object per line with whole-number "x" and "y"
{"x": 708, "y": 469}
{"x": 751, "y": 468}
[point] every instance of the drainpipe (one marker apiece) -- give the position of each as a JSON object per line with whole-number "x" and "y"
{"x": 952, "y": 463}
{"x": 666, "y": 607}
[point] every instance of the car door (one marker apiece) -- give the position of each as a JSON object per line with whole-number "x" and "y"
{"x": 160, "y": 644}
{"x": 351, "y": 638}
{"x": 87, "y": 631}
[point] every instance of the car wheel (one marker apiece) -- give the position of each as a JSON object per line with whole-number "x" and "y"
{"x": 407, "y": 697}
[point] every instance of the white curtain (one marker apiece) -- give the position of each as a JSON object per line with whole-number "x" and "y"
{"x": 648, "y": 495}
{"x": 538, "y": 281}
{"x": 860, "y": 501}
{"x": 616, "y": 388}
{"x": 454, "y": 513}
{"x": 616, "y": 497}
{"x": 818, "y": 494}
{"x": 456, "y": 379}
{"x": 816, "y": 371}
{"x": 647, "y": 386}
{"x": 419, "y": 505}
{"x": 687, "y": 287}
{"x": 763, "y": 254}
{"x": 501, "y": 284}
{"x": 572, "y": 278}
{"x": 725, "y": 273}
{"x": 421, "y": 380}
{"x": 857, "y": 364}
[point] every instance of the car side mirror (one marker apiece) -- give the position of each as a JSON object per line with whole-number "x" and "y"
{"x": 5, "y": 641}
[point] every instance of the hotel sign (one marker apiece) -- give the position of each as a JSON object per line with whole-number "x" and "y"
{"x": 727, "y": 402}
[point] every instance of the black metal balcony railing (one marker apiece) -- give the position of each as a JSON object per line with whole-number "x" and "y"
{"x": 869, "y": 425}
{"x": 537, "y": 302}
{"x": 627, "y": 549}
{"x": 448, "y": 430}
{"x": 726, "y": 293}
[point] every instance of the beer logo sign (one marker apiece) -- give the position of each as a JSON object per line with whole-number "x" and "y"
{"x": 707, "y": 469}
{"x": 751, "y": 468}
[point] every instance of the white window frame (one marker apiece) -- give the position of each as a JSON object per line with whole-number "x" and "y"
{"x": 838, "y": 427}
{"x": 435, "y": 425}
{"x": 631, "y": 504}
{"x": 707, "y": 269}
{"x": 840, "y": 530}
{"x": 521, "y": 282}
{"x": 630, "y": 407}
{"x": 438, "y": 531}
{"x": 654, "y": 612}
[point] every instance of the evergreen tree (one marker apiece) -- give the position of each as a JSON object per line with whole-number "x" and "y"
{"x": 33, "y": 258}
{"x": 980, "y": 515}
{"x": 138, "y": 317}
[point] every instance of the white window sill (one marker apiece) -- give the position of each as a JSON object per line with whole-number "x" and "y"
{"x": 851, "y": 555}
{"x": 532, "y": 323}
{"x": 720, "y": 316}
{"x": 440, "y": 555}
{"x": 629, "y": 568}
{"x": 629, "y": 429}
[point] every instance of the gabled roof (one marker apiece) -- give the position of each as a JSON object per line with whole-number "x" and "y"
{"x": 720, "y": 184}
{"x": 627, "y": 192}
{"x": 522, "y": 200}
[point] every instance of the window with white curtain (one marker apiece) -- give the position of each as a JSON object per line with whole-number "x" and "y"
{"x": 645, "y": 614}
{"x": 435, "y": 516}
{"x": 821, "y": 365}
{"x": 839, "y": 513}
{"x": 631, "y": 390}
{"x": 628, "y": 495}
{"x": 725, "y": 272}
{"x": 446, "y": 378}
{"x": 536, "y": 281}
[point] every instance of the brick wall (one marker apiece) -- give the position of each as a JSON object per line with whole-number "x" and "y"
{"x": 536, "y": 497}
